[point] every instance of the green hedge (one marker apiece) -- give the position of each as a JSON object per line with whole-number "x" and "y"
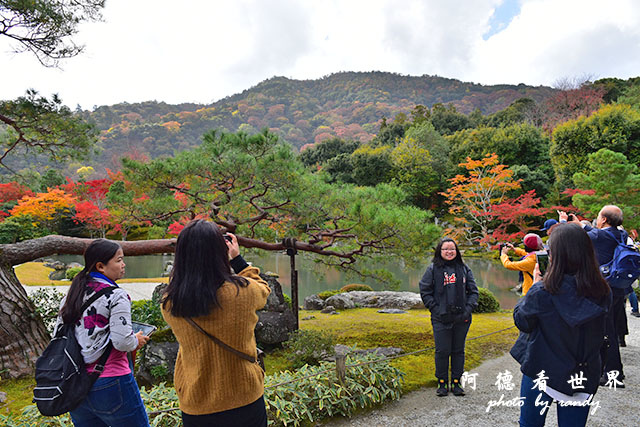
{"x": 487, "y": 302}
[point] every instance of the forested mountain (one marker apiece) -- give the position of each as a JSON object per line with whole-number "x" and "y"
{"x": 348, "y": 105}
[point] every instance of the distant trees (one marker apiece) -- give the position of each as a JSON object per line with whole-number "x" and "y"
{"x": 615, "y": 127}
{"x": 609, "y": 178}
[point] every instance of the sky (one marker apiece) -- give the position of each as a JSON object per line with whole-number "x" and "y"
{"x": 204, "y": 50}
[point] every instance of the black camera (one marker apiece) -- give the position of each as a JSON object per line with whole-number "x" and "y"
{"x": 226, "y": 236}
{"x": 502, "y": 246}
{"x": 454, "y": 309}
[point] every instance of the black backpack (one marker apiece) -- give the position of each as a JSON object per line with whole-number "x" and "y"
{"x": 62, "y": 381}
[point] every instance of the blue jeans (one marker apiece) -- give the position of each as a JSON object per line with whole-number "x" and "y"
{"x": 633, "y": 300}
{"x": 114, "y": 402}
{"x": 568, "y": 416}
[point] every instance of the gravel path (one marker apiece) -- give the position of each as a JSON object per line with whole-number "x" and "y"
{"x": 137, "y": 291}
{"x": 421, "y": 408}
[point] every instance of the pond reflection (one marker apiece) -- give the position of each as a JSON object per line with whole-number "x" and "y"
{"x": 314, "y": 277}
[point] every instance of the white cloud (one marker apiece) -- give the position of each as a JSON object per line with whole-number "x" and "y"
{"x": 201, "y": 51}
{"x": 551, "y": 39}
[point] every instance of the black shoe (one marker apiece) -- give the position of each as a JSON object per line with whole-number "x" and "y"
{"x": 635, "y": 314}
{"x": 456, "y": 389}
{"x": 622, "y": 342}
{"x": 603, "y": 379}
{"x": 442, "y": 389}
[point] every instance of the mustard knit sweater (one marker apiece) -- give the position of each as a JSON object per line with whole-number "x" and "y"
{"x": 207, "y": 377}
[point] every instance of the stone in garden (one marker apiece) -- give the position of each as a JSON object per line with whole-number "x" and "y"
{"x": 75, "y": 265}
{"x": 3, "y": 397}
{"x": 58, "y": 275}
{"x": 56, "y": 265}
{"x": 313, "y": 302}
{"x": 328, "y": 309}
{"x": 387, "y": 299}
{"x": 340, "y": 301}
{"x": 381, "y": 351}
{"x": 155, "y": 356}
{"x": 274, "y": 327}
{"x": 391, "y": 311}
{"x": 308, "y": 317}
{"x": 276, "y": 320}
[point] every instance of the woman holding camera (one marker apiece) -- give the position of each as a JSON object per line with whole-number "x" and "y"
{"x": 212, "y": 313}
{"x": 562, "y": 320}
{"x": 449, "y": 291}
{"x": 105, "y": 326}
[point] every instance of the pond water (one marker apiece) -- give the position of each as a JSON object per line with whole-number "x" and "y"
{"x": 314, "y": 277}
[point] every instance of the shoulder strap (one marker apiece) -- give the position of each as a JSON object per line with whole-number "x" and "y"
{"x": 622, "y": 241}
{"x": 220, "y": 343}
{"x": 94, "y": 297}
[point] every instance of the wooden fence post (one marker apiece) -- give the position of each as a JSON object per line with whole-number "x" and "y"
{"x": 341, "y": 368}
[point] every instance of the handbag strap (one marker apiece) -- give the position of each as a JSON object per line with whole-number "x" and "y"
{"x": 220, "y": 343}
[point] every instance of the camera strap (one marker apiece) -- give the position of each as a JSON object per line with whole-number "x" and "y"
{"x": 221, "y": 344}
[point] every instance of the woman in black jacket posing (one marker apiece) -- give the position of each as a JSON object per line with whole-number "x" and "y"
{"x": 562, "y": 320}
{"x": 449, "y": 291}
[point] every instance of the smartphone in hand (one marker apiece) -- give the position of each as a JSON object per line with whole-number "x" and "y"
{"x": 146, "y": 329}
{"x": 543, "y": 261}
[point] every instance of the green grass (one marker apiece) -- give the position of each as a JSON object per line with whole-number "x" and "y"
{"x": 19, "y": 394}
{"x": 36, "y": 274}
{"x": 366, "y": 328}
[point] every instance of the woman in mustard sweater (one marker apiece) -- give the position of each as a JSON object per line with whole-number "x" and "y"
{"x": 215, "y": 383}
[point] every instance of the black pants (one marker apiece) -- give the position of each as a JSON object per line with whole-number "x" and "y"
{"x": 251, "y": 415}
{"x": 449, "y": 339}
{"x": 620, "y": 316}
{"x": 613, "y": 362}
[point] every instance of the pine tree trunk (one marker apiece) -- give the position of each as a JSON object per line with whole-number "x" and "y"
{"x": 23, "y": 336}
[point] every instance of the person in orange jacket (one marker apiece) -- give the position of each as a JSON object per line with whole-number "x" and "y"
{"x": 526, "y": 264}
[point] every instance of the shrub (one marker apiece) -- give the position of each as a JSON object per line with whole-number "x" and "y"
{"x": 487, "y": 302}
{"x": 308, "y": 347}
{"x": 306, "y": 400}
{"x": 287, "y": 300}
{"x": 356, "y": 287}
{"x": 326, "y": 294}
{"x": 72, "y": 272}
{"x": 147, "y": 311}
{"x": 47, "y": 304}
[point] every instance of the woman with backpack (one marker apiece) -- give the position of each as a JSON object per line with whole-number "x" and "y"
{"x": 105, "y": 326}
{"x": 212, "y": 313}
{"x": 562, "y": 320}
{"x": 449, "y": 291}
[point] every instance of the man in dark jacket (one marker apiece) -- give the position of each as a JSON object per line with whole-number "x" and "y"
{"x": 605, "y": 237}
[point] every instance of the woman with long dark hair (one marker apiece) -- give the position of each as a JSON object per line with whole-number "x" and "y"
{"x": 212, "y": 313}
{"x": 105, "y": 325}
{"x": 449, "y": 291}
{"x": 562, "y": 324}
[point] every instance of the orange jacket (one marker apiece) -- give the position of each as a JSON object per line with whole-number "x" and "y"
{"x": 526, "y": 266}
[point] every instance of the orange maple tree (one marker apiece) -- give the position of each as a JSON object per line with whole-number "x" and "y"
{"x": 45, "y": 208}
{"x": 472, "y": 196}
